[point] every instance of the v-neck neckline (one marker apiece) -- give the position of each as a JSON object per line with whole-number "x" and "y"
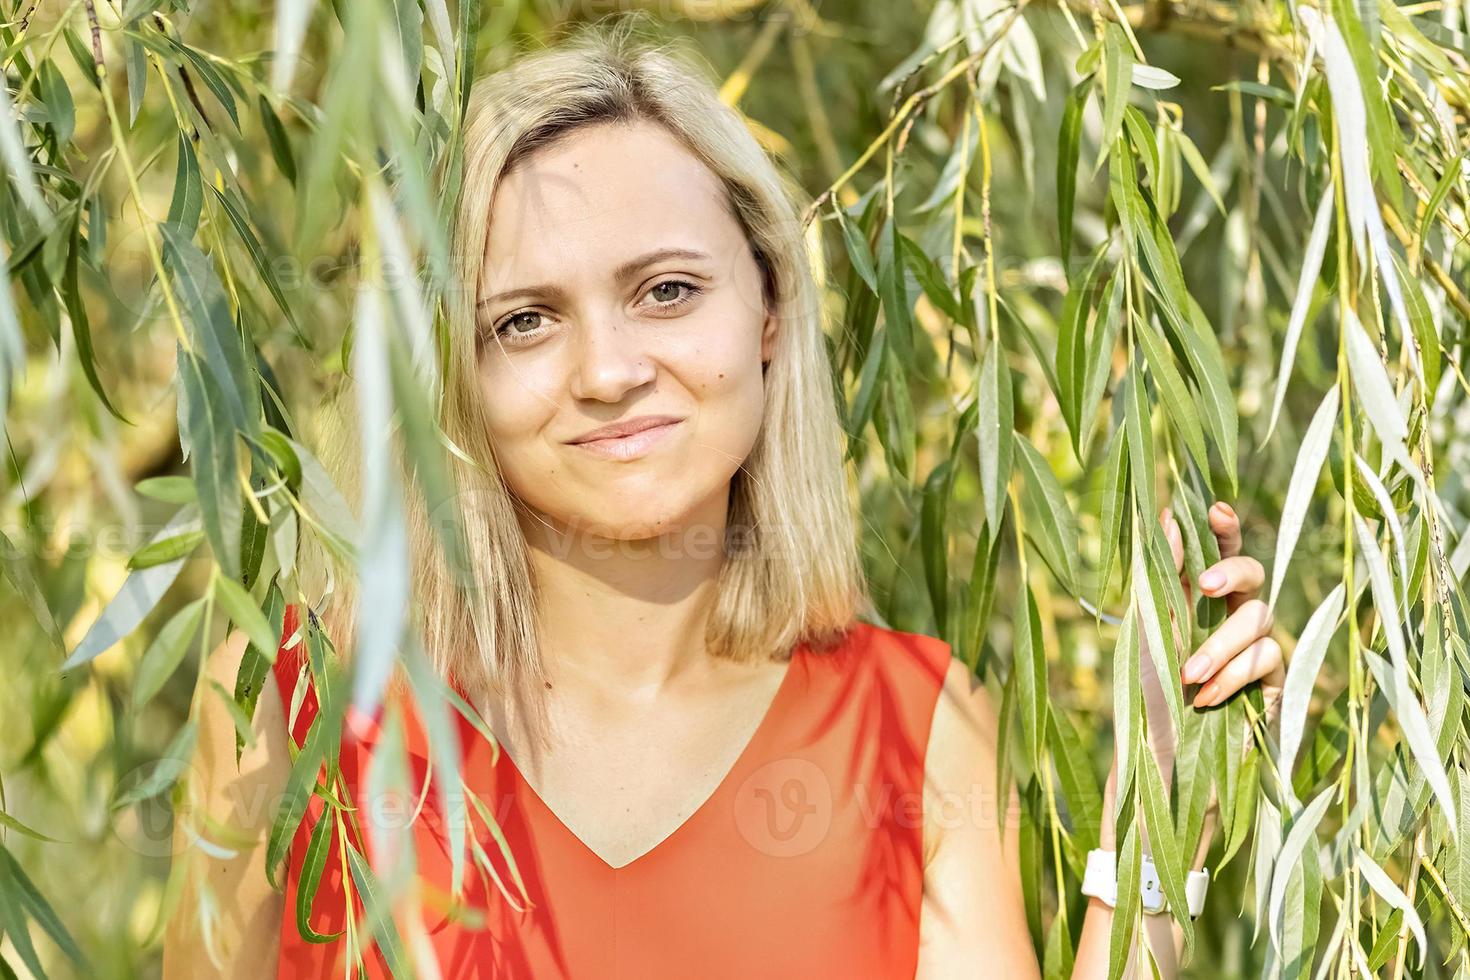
{"x": 743, "y": 761}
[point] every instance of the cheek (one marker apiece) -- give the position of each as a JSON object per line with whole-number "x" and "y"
{"x": 727, "y": 382}
{"x": 518, "y": 406}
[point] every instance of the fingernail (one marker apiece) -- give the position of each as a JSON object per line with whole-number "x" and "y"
{"x": 1195, "y": 667}
{"x": 1224, "y": 509}
{"x": 1211, "y": 580}
{"x": 1207, "y": 696}
{"x": 1165, "y": 516}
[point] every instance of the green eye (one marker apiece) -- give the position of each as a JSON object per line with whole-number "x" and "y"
{"x": 671, "y": 296}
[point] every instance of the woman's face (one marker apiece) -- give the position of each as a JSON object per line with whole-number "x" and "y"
{"x": 618, "y": 289}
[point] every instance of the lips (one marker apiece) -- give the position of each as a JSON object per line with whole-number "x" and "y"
{"x": 630, "y": 439}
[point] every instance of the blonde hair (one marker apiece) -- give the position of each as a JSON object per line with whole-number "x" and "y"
{"x": 792, "y": 572}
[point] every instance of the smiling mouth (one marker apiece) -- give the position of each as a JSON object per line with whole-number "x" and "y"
{"x": 631, "y": 446}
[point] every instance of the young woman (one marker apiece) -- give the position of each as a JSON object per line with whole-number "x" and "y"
{"x": 708, "y": 765}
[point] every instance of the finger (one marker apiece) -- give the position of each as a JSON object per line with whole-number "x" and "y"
{"x": 1226, "y": 525}
{"x": 1238, "y": 578}
{"x": 1241, "y": 628}
{"x": 1256, "y": 661}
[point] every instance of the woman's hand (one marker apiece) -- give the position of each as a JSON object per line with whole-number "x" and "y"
{"x": 1240, "y": 651}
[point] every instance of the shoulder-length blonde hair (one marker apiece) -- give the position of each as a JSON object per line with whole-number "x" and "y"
{"x": 792, "y": 573}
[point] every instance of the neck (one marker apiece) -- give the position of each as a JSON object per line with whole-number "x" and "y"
{"x": 626, "y": 616}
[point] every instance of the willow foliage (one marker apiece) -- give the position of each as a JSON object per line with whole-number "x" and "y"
{"x": 1083, "y": 260}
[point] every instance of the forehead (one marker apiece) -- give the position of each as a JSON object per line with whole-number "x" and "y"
{"x": 598, "y": 195}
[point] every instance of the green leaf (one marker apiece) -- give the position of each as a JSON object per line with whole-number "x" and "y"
{"x": 1422, "y": 325}
{"x": 1140, "y": 444}
{"x": 1079, "y": 783}
{"x": 1375, "y": 391}
{"x": 1117, "y": 82}
{"x": 934, "y": 539}
{"x": 213, "y": 462}
{"x": 135, "y": 63}
{"x": 166, "y": 652}
{"x": 188, "y": 199}
{"x": 379, "y": 916}
{"x": 1270, "y": 93}
{"x": 1395, "y": 683}
{"x": 1029, "y": 663}
{"x": 1100, "y": 346}
{"x": 1301, "y": 677}
{"x": 1298, "y": 839}
{"x": 1050, "y": 523}
{"x": 60, "y": 111}
{"x": 10, "y": 823}
{"x": 138, "y": 596}
{"x": 1437, "y": 198}
{"x": 169, "y": 549}
{"x": 994, "y": 430}
{"x": 1304, "y": 475}
{"x": 1383, "y": 132}
{"x": 255, "y": 665}
{"x": 1156, "y": 630}
{"x": 1179, "y": 405}
{"x": 320, "y": 746}
{"x": 930, "y": 278}
{"x": 1381, "y": 883}
{"x": 898, "y": 433}
{"x": 1191, "y": 332}
{"x": 1072, "y": 346}
{"x": 1164, "y": 846}
{"x": 1069, "y": 153}
{"x": 20, "y": 894}
{"x": 81, "y": 330}
{"x": 236, "y": 213}
{"x": 1306, "y": 286}
{"x": 211, "y": 77}
{"x": 1125, "y": 913}
{"x": 869, "y": 385}
{"x": 1201, "y": 170}
{"x": 166, "y": 771}
{"x": 168, "y": 489}
{"x": 897, "y": 312}
{"x": 1114, "y": 507}
{"x": 18, "y": 160}
{"x": 858, "y": 252}
{"x": 244, "y": 613}
{"x": 220, "y": 346}
{"x": 309, "y": 880}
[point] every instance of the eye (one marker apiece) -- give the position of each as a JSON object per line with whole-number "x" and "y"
{"x": 668, "y": 296}
{"x": 518, "y": 325}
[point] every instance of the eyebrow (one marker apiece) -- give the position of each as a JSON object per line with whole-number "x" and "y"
{"x": 623, "y": 272}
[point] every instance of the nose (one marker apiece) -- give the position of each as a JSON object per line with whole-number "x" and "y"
{"x": 610, "y": 359}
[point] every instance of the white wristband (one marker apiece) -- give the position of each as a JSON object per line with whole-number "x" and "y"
{"x": 1101, "y": 881}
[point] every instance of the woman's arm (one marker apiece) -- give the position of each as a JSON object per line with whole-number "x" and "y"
{"x": 1241, "y": 651}
{"x": 1163, "y": 935}
{"x": 244, "y": 926}
{"x": 973, "y": 919}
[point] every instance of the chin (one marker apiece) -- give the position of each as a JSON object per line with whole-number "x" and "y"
{"x": 638, "y": 510}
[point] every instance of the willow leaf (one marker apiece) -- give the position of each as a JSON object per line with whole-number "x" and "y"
{"x": 1301, "y": 678}
{"x": 1311, "y": 270}
{"x": 1304, "y": 476}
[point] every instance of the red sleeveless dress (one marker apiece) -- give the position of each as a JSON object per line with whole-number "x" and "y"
{"x": 806, "y": 861}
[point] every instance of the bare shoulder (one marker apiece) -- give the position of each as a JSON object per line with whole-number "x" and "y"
{"x": 229, "y": 804}
{"x": 960, "y": 762}
{"x": 973, "y": 910}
